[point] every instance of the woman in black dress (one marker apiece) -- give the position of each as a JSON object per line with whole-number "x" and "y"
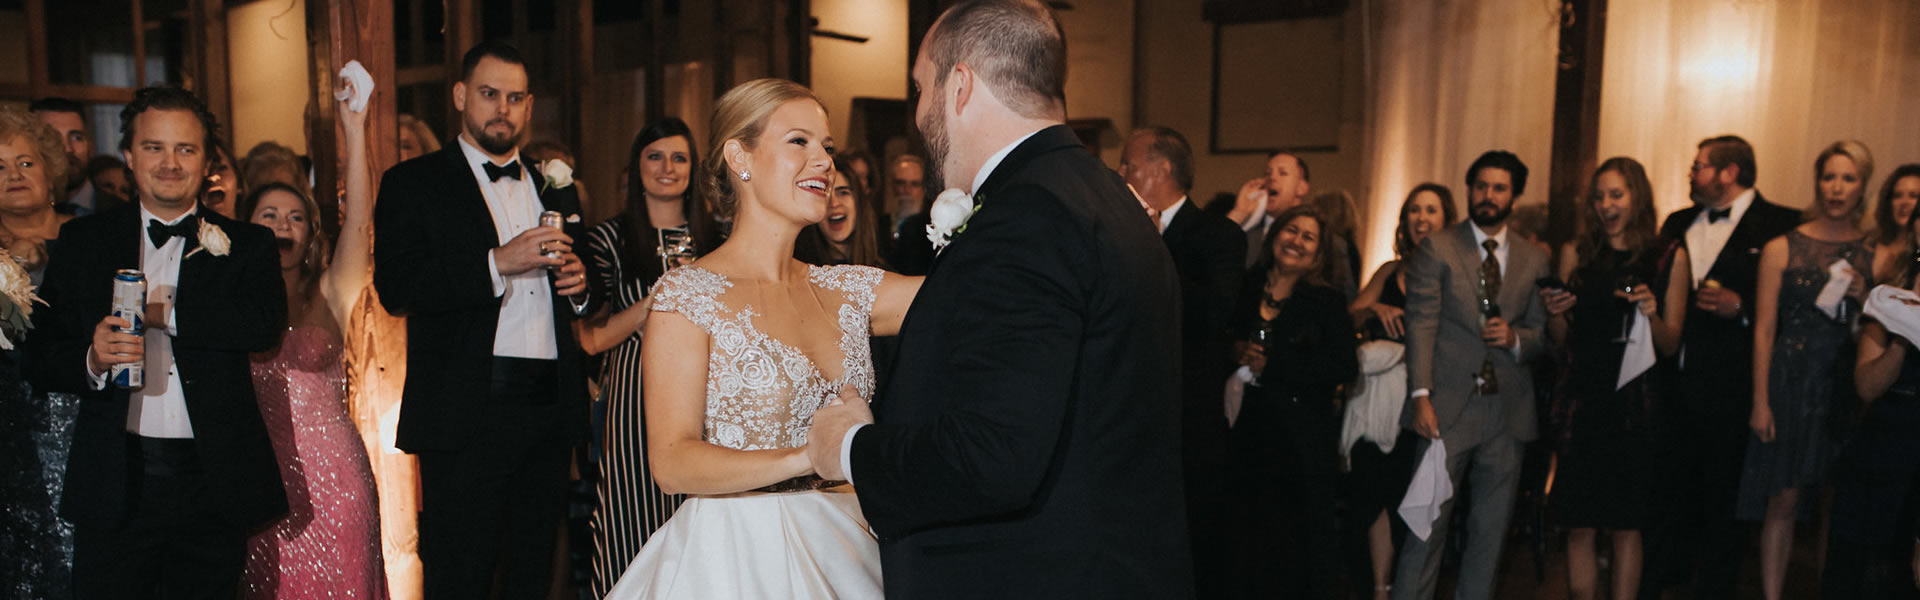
{"x": 1381, "y": 464}
{"x": 1620, "y": 271}
{"x": 624, "y": 256}
{"x": 1283, "y": 461}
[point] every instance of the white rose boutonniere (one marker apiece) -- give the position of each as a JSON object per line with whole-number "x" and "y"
{"x": 949, "y": 216}
{"x": 213, "y": 240}
{"x": 16, "y": 301}
{"x": 559, "y": 175}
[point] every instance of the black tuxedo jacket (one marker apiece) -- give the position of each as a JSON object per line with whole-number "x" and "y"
{"x": 432, "y": 231}
{"x": 225, "y": 307}
{"x": 1207, "y": 250}
{"x": 1028, "y": 445}
{"x": 1717, "y": 376}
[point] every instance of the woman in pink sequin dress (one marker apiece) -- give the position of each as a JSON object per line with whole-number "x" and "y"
{"x": 328, "y": 544}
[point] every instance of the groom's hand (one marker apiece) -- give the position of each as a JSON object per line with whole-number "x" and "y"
{"x": 830, "y": 425}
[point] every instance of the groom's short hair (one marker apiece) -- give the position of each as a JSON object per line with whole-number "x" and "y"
{"x": 168, "y": 97}
{"x": 1015, "y": 45}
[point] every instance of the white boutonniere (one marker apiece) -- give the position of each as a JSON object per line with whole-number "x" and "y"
{"x": 573, "y": 218}
{"x": 16, "y": 301}
{"x": 213, "y": 240}
{"x": 949, "y": 216}
{"x": 559, "y": 175}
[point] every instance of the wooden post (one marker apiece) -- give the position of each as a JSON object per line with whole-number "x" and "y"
{"x": 207, "y": 58}
{"x": 1576, "y": 113}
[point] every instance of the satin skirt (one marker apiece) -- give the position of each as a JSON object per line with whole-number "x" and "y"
{"x": 809, "y": 544}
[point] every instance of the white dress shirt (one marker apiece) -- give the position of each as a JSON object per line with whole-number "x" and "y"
{"x": 159, "y": 408}
{"x": 1166, "y": 216}
{"x": 525, "y": 327}
{"x": 979, "y": 179}
{"x": 1705, "y": 239}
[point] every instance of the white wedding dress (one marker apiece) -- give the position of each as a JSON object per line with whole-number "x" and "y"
{"x": 801, "y": 538}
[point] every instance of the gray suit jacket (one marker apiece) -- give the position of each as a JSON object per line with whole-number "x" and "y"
{"x": 1444, "y": 350}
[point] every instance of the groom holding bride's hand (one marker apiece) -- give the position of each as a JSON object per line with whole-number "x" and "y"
{"x": 1028, "y": 442}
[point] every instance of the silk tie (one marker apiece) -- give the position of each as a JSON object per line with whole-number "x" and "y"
{"x": 494, "y": 173}
{"x": 1489, "y": 292}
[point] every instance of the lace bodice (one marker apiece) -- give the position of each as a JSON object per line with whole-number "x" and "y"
{"x": 761, "y": 391}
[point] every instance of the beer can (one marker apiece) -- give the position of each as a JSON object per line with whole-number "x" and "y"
{"x": 554, "y": 219}
{"x": 130, "y": 303}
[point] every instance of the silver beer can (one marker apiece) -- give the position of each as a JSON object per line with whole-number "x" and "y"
{"x": 554, "y": 219}
{"x": 130, "y": 303}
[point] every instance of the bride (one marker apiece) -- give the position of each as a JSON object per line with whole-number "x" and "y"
{"x": 744, "y": 345}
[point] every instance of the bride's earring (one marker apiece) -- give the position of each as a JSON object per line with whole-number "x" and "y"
{"x": 744, "y": 176}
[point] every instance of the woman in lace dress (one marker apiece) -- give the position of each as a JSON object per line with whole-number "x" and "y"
{"x": 1797, "y": 342}
{"x": 746, "y": 344}
{"x": 328, "y": 544}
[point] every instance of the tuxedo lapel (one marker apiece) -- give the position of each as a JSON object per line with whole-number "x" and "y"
{"x": 128, "y": 238}
{"x": 466, "y": 202}
{"x": 1039, "y": 143}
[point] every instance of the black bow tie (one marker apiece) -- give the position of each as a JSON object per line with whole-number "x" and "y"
{"x": 1716, "y": 215}
{"x": 494, "y": 173}
{"x": 161, "y": 232}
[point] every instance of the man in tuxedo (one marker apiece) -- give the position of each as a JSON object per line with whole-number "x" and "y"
{"x": 1029, "y": 441}
{"x": 494, "y": 396}
{"x": 1473, "y": 322}
{"x": 1284, "y": 185}
{"x": 1206, "y": 250}
{"x": 166, "y": 481}
{"x": 912, "y": 252}
{"x": 1704, "y": 432}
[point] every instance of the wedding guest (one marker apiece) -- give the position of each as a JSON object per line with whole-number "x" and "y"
{"x": 109, "y": 177}
{"x": 1283, "y": 185}
{"x": 271, "y": 162}
{"x": 164, "y": 482}
{"x": 1702, "y": 435}
{"x": 623, "y": 257}
{"x": 1283, "y": 460}
{"x": 1892, "y": 238}
{"x": 223, "y": 184}
{"x": 847, "y": 236}
{"x": 861, "y": 165}
{"x": 1797, "y": 340}
{"x": 1473, "y": 322}
{"x": 494, "y": 394}
{"x": 416, "y": 138}
{"x": 911, "y": 250}
{"x": 1875, "y": 474}
{"x": 69, "y": 121}
{"x": 36, "y": 560}
{"x": 1624, "y": 274}
{"x": 329, "y": 541}
{"x": 1343, "y": 257}
{"x": 1379, "y": 452}
{"x": 1206, "y": 250}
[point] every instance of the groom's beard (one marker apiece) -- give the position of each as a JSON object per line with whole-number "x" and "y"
{"x": 934, "y": 128}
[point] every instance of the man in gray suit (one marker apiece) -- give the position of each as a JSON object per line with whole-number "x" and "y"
{"x": 1473, "y": 320}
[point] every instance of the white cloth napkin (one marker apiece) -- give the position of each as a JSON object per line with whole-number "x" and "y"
{"x": 1236, "y": 391}
{"x": 1840, "y": 277}
{"x": 1373, "y": 409}
{"x": 1430, "y": 489}
{"x": 360, "y": 86}
{"x": 1897, "y": 309}
{"x": 1639, "y": 355}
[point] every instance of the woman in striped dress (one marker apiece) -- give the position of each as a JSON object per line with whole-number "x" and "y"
{"x": 624, "y": 257}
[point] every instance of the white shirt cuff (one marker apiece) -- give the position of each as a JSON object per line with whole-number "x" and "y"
{"x": 1419, "y": 393}
{"x": 846, "y": 453}
{"x": 493, "y": 270}
{"x": 97, "y": 380}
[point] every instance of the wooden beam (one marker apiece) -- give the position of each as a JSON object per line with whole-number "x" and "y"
{"x": 655, "y": 89}
{"x": 1576, "y": 113}
{"x": 207, "y": 62}
{"x": 339, "y": 31}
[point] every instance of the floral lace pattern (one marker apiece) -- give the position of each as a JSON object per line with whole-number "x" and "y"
{"x": 761, "y": 392}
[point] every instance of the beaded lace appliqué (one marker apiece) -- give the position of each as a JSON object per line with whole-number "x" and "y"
{"x": 761, "y": 392}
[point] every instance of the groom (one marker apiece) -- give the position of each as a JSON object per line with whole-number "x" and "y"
{"x": 1030, "y": 442}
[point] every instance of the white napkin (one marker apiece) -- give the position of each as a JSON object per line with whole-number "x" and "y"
{"x": 1373, "y": 408}
{"x": 1430, "y": 489}
{"x": 359, "y": 86}
{"x": 1839, "y": 279}
{"x": 1639, "y": 355}
{"x": 1897, "y": 309}
{"x": 1236, "y": 390}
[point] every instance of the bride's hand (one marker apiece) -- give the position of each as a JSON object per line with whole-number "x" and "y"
{"x": 830, "y": 425}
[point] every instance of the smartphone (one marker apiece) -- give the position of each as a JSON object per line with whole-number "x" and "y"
{"x": 1552, "y": 283}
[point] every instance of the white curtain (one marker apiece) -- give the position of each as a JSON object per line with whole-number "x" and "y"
{"x": 1448, "y": 80}
{"x": 1790, "y": 76}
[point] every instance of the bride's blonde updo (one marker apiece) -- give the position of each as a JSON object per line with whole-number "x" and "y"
{"x": 741, "y": 114}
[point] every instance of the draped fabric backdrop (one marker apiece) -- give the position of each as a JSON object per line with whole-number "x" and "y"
{"x": 1790, "y": 76}
{"x": 1448, "y": 80}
